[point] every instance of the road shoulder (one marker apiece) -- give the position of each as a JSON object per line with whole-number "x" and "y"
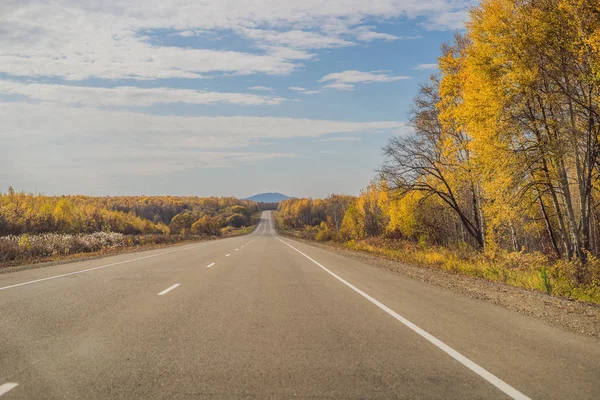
{"x": 574, "y": 316}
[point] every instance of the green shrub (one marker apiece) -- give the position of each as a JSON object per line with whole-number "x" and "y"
{"x": 546, "y": 285}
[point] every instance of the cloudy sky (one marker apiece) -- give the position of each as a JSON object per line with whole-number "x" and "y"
{"x": 209, "y": 97}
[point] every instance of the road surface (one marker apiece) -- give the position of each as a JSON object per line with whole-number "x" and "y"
{"x": 262, "y": 316}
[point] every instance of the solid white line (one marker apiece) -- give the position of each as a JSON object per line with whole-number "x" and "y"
{"x": 227, "y": 255}
{"x": 483, "y": 373}
{"x": 210, "y": 265}
{"x": 7, "y": 387}
{"x": 101, "y": 266}
{"x": 167, "y": 290}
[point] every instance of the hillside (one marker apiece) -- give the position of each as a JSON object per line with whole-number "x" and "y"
{"x": 268, "y": 197}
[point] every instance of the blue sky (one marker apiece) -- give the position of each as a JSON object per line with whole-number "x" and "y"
{"x": 210, "y": 97}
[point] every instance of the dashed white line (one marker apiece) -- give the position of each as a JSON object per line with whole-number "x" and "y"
{"x": 7, "y": 387}
{"x": 210, "y": 265}
{"x": 476, "y": 368}
{"x": 227, "y": 255}
{"x": 101, "y": 266}
{"x": 236, "y": 249}
{"x": 167, "y": 290}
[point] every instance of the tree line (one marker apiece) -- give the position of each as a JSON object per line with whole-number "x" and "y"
{"x": 504, "y": 153}
{"x": 29, "y": 213}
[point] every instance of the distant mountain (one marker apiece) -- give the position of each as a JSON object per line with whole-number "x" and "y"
{"x": 268, "y": 197}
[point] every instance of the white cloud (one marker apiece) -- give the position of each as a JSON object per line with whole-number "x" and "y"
{"x": 339, "y": 86}
{"x": 354, "y": 76}
{"x": 54, "y": 138}
{"x": 296, "y": 39}
{"x": 304, "y": 90}
{"x": 191, "y": 33}
{"x": 143, "y": 62}
{"x": 452, "y": 19}
{"x": 186, "y": 33}
{"x": 158, "y": 162}
{"x": 426, "y": 66}
{"x": 112, "y": 39}
{"x": 346, "y": 80}
{"x": 369, "y": 35}
{"x": 125, "y": 96}
{"x": 263, "y": 88}
{"x": 340, "y": 139}
{"x": 366, "y": 34}
{"x": 54, "y": 121}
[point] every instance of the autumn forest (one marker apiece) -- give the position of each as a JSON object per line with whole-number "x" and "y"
{"x": 37, "y": 227}
{"x": 501, "y": 171}
{"x": 498, "y": 178}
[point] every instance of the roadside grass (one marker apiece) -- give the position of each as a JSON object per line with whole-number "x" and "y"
{"x": 16, "y": 250}
{"x": 532, "y": 271}
{"x": 29, "y": 260}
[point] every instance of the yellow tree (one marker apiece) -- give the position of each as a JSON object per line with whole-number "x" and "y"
{"x": 532, "y": 91}
{"x": 435, "y": 159}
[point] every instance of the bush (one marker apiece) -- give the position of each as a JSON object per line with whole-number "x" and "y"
{"x": 325, "y": 233}
{"x": 207, "y": 225}
{"x": 227, "y": 230}
{"x": 13, "y": 248}
{"x": 236, "y": 220}
{"x": 25, "y": 247}
{"x": 240, "y": 210}
{"x": 9, "y": 250}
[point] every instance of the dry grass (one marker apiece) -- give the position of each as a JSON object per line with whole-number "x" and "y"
{"x": 31, "y": 249}
{"x": 533, "y": 271}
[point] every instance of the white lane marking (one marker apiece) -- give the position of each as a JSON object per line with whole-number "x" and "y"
{"x": 101, "y": 266}
{"x": 7, "y": 387}
{"x": 264, "y": 229}
{"x": 210, "y": 265}
{"x": 236, "y": 249}
{"x": 167, "y": 290}
{"x": 482, "y": 372}
{"x": 271, "y": 225}
{"x": 227, "y": 255}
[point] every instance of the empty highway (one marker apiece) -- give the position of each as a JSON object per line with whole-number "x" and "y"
{"x": 264, "y": 316}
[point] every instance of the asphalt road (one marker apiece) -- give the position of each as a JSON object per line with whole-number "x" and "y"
{"x": 261, "y": 316}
